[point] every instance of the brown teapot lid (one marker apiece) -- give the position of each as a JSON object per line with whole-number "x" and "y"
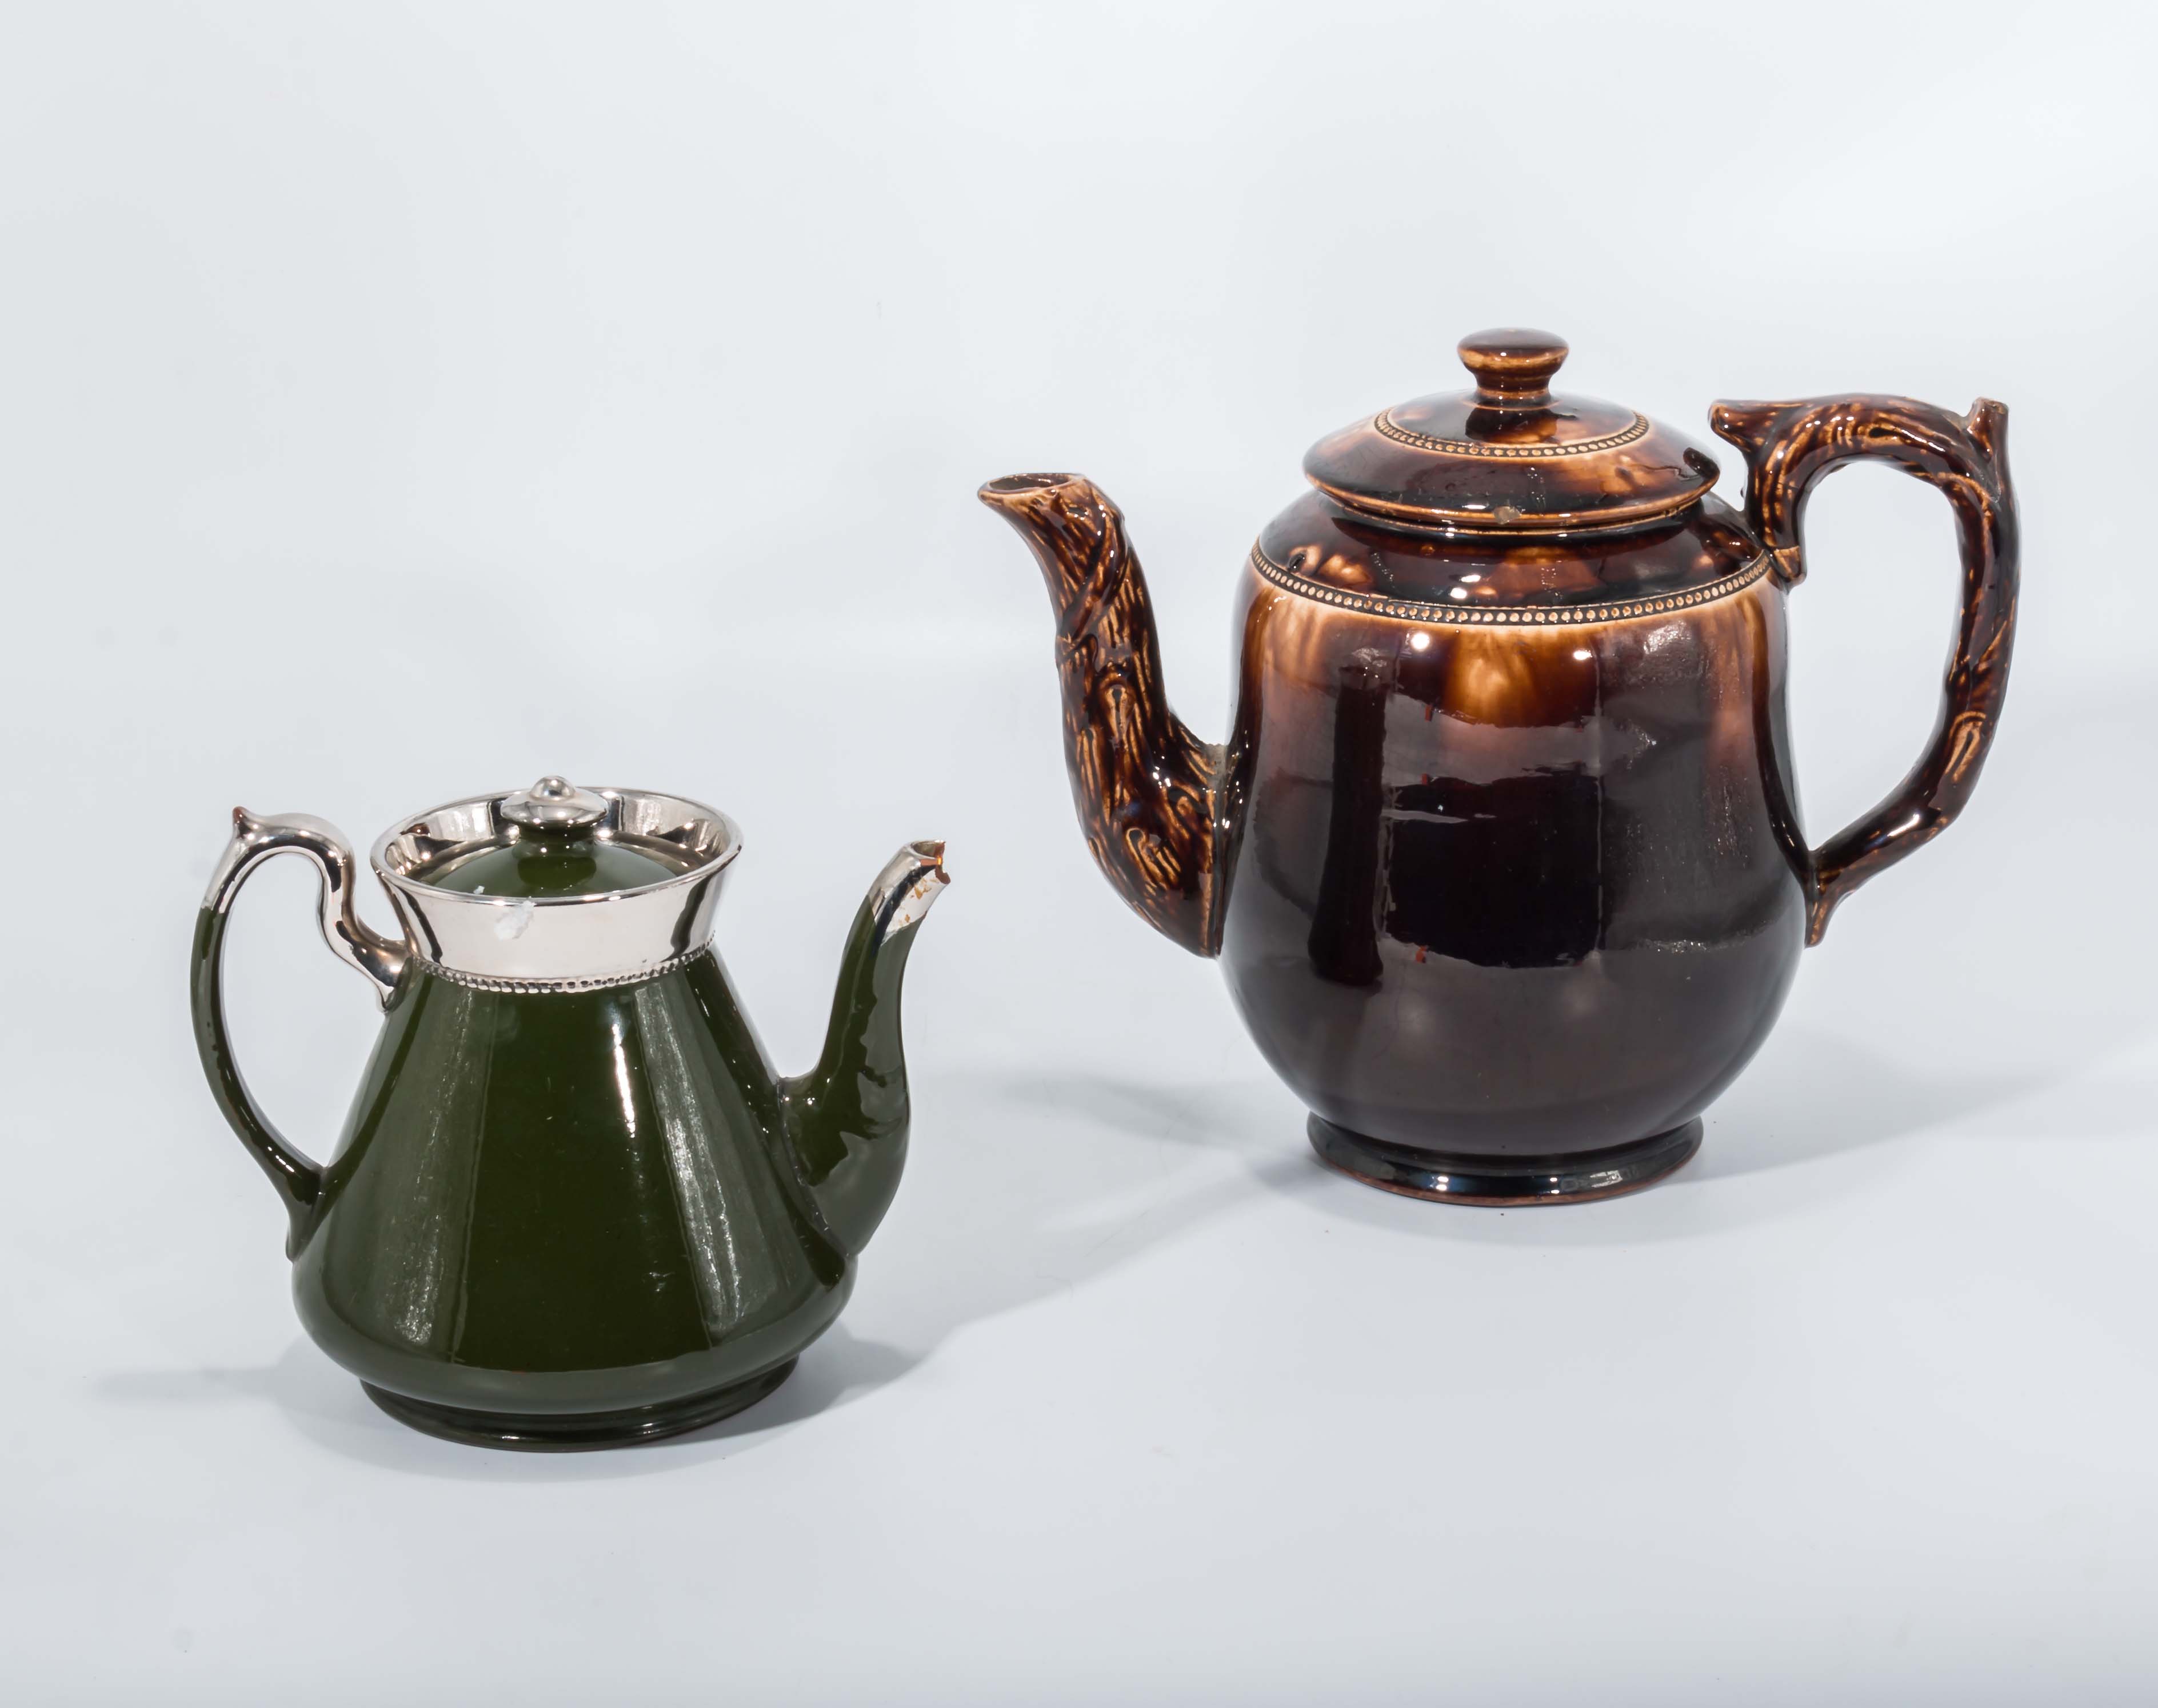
{"x": 1510, "y": 454}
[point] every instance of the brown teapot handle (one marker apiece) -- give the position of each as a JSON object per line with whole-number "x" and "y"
{"x": 1789, "y": 447}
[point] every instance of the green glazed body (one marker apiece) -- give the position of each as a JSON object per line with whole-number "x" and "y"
{"x": 569, "y": 1214}
{"x": 567, "y": 1203}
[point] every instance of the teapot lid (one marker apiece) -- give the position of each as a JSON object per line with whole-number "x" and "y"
{"x": 553, "y": 838}
{"x": 556, "y": 886}
{"x": 1510, "y": 454}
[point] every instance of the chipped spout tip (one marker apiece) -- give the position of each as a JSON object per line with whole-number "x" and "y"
{"x": 909, "y": 886}
{"x": 932, "y": 854}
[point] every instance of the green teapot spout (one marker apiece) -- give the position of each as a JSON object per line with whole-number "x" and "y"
{"x": 848, "y": 1116}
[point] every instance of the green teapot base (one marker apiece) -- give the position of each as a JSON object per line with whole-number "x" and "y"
{"x": 579, "y": 1431}
{"x": 1501, "y": 1180}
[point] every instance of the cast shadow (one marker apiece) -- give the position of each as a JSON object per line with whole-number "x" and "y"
{"x": 1042, "y": 1183}
{"x": 325, "y": 1405}
{"x": 1052, "y": 1180}
{"x": 1812, "y": 1094}
{"x": 1773, "y": 1140}
{"x": 1803, "y": 1124}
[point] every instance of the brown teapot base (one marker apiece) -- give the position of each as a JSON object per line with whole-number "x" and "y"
{"x": 577, "y": 1431}
{"x": 1504, "y": 1181}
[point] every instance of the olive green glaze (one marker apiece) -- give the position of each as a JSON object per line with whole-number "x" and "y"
{"x": 553, "y": 863}
{"x": 564, "y": 1218}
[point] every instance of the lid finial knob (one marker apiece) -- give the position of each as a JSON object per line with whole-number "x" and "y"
{"x": 1513, "y": 364}
{"x": 555, "y": 803}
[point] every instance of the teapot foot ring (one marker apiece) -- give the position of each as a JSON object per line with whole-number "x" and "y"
{"x": 581, "y": 1431}
{"x": 1504, "y": 1181}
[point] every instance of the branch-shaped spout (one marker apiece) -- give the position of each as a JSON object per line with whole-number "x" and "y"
{"x": 1146, "y": 788}
{"x": 847, "y": 1117}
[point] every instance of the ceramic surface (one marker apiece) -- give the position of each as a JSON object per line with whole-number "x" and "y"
{"x": 567, "y": 1216}
{"x": 1502, "y": 857}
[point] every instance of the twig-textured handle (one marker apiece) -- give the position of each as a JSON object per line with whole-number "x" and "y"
{"x": 1789, "y": 447}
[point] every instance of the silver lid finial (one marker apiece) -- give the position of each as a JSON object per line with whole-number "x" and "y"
{"x": 555, "y": 803}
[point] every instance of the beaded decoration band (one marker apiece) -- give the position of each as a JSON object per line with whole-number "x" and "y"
{"x": 1387, "y": 428}
{"x": 558, "y": 987}
{"x": 1426, "y": 610}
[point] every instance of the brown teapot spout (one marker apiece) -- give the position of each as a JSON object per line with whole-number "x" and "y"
{"x": 1148, "y": 790}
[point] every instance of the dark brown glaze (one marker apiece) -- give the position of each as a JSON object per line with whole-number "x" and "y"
{"x": 1514, "y": 881}
{"x": 1502, "y": 857}
{"x": 1317, "y": 547}
{"x": 1789, "y": 447}
{"x": 1510, "y": 454}
{"x": 1579, "y": 1178}
{"x": 1517, "y": 890}
{"x": 1144, "y": 785}
{"x": 1513, "y": 364}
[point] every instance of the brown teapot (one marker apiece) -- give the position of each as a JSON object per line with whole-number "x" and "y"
{"x": 1502, "y": 857}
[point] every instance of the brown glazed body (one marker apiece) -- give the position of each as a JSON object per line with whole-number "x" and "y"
{"x": 1502, "y": 857}
{"x": 1512, "y": 889}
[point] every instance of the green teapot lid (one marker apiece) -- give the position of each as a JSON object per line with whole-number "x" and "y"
{"x": 1510, "y": 455}
{"x": 554, "y": 840}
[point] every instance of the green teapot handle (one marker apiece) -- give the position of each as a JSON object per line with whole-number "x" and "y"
{"x": 1789, "y": 447}
{"x": 298, "y": 1181}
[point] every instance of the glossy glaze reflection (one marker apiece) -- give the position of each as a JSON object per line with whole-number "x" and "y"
{"x": 1502, "y": 856}
{"x": 1511, "y": 891}
{"x": 569, "y": 1217}
{"x": 568, "y": 1202}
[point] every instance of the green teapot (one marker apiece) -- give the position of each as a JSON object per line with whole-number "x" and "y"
{"x": 573, "y": 1204}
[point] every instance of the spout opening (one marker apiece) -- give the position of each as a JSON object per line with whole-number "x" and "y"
{"x": 909, "y": 885}
{"x": 1001, "y": 494}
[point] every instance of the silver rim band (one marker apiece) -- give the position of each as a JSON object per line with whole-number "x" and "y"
{"x": 557, "y": 987}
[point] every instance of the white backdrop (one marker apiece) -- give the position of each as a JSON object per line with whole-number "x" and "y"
{"x": 400, "y": 402}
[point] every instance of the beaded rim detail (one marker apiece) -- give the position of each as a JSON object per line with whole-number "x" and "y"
{"x": 1384, "y": 423}
{"x": 1462, "y": 617}
{"x": 558, "y": 987}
